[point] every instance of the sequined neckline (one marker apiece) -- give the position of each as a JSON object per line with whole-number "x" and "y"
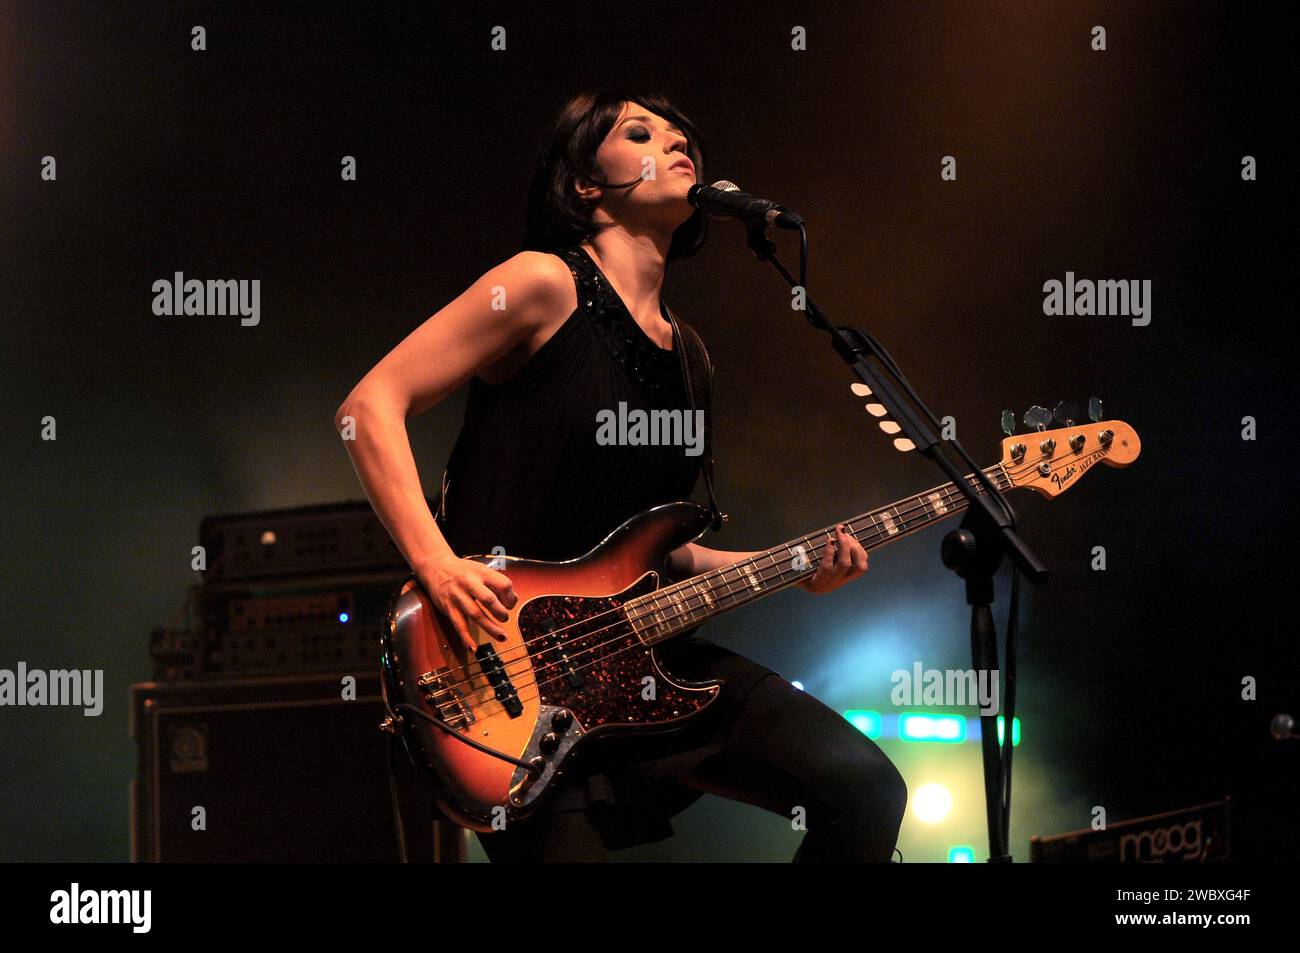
{"x": 645, "y": 362}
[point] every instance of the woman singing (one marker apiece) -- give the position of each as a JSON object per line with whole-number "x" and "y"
{"x": 572, "y": 326}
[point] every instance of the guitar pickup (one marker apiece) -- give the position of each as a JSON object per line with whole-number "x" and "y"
{"x": 446, "y": 698}
{"x": 557, "y": 662}
{"x": 496, "y": 675}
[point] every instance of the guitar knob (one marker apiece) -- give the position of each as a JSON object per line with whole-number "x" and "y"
{"x": 1106, "y": 436}
{"x": 549, "y": 742}
{"x": 561, "y": 720}
{"x": 1076, "y": 442}
{"x": 1048, "y": 447}
{"x": 1018, "y": 452}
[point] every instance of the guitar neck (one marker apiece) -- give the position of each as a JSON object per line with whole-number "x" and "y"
{"x": 662, "y": 614}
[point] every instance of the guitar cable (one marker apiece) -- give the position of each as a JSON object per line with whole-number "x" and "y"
{"x": 399, "y": 825}
{"x": 401, "y": 706}
{"x": 397, "y": 807}
{"x": 395, "y": 713}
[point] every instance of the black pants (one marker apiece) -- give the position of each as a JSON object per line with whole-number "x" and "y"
{"x": 786, "y": 752}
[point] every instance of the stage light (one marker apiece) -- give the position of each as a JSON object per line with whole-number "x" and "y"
{"x": 343, "y": 617}
{"x": 961, "y": 854}
{"x": 865, "y": 720}
{"x": 798, "y": 685}
{"x": 975, "y": 731}
{"x": 1002, "y": 731}
{"x": 948, "y": 729}
{"x": 931, "y": 803}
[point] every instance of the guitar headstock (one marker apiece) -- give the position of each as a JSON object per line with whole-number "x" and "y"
{"x": 1051, "y": 461}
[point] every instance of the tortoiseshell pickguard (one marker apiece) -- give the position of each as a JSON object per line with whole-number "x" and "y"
{"x": 594, "y": 644}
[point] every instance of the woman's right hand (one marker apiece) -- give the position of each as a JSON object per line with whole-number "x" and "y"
{"x": 464, "y": 590}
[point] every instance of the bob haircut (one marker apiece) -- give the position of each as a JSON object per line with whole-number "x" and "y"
{"x": 556, "y": 216}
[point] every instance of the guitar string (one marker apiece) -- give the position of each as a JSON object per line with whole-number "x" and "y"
{"x": 949, "y": 492}
{"x": 491, "y": 706}
{"x": 621, "y": 611}
{"x": 487, "y": 707}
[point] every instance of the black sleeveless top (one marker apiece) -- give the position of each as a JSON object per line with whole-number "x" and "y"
{"x": 528, "y": 473}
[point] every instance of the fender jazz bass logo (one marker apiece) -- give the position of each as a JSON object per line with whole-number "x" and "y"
{"x": 1070, "y": 472}
{"x": 1060, "y": 479}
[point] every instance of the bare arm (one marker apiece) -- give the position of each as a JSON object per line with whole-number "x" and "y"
{"x": 843, "y": 559}
{"x": 693, "y": 559}
{"x": 434, "y": 361}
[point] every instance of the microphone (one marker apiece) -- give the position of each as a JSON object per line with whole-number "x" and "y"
{"x": 724, "y": 199}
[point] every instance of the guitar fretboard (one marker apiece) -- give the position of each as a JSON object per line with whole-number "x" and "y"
{"x": 659, "y": 615}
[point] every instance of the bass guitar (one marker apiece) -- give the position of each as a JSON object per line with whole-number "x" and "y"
{"x": 491, "y": 731}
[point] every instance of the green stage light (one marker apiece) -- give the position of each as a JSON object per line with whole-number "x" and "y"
{"x": 947, "y": 729}
{"x": 1015, "y": 732}
{"x": 865, "y": 720}
{"x": 961, "y": 854}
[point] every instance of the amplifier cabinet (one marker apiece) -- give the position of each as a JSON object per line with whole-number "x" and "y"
{"x": 273, "y": 769}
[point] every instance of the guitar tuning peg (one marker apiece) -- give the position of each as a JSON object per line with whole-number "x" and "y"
{"x": 1008, "y": 423}
{"x": 1094, "y": 409}
{"x": 1066, "y": 413}
{"x": 1037, "y": 418}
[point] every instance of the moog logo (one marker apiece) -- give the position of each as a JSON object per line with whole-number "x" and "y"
{"x": 1180, "y": 840}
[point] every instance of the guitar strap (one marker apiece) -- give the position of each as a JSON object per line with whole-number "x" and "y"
{"x": 697, "y": 372}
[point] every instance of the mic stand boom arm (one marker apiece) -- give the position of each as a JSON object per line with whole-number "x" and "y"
{"x": 974, "y": 551}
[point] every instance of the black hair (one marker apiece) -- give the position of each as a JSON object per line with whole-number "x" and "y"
{"x": 556, "y": 216}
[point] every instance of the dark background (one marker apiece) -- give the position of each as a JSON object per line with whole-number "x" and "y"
{"x": 1120, "y": 164}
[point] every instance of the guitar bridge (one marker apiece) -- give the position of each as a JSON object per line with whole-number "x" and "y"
{"x": 439, "y": 692}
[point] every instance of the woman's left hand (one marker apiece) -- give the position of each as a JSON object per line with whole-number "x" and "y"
{"x": 843, "y": 560}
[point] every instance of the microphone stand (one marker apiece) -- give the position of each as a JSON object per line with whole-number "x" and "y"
{"x": 973, "y": 551}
